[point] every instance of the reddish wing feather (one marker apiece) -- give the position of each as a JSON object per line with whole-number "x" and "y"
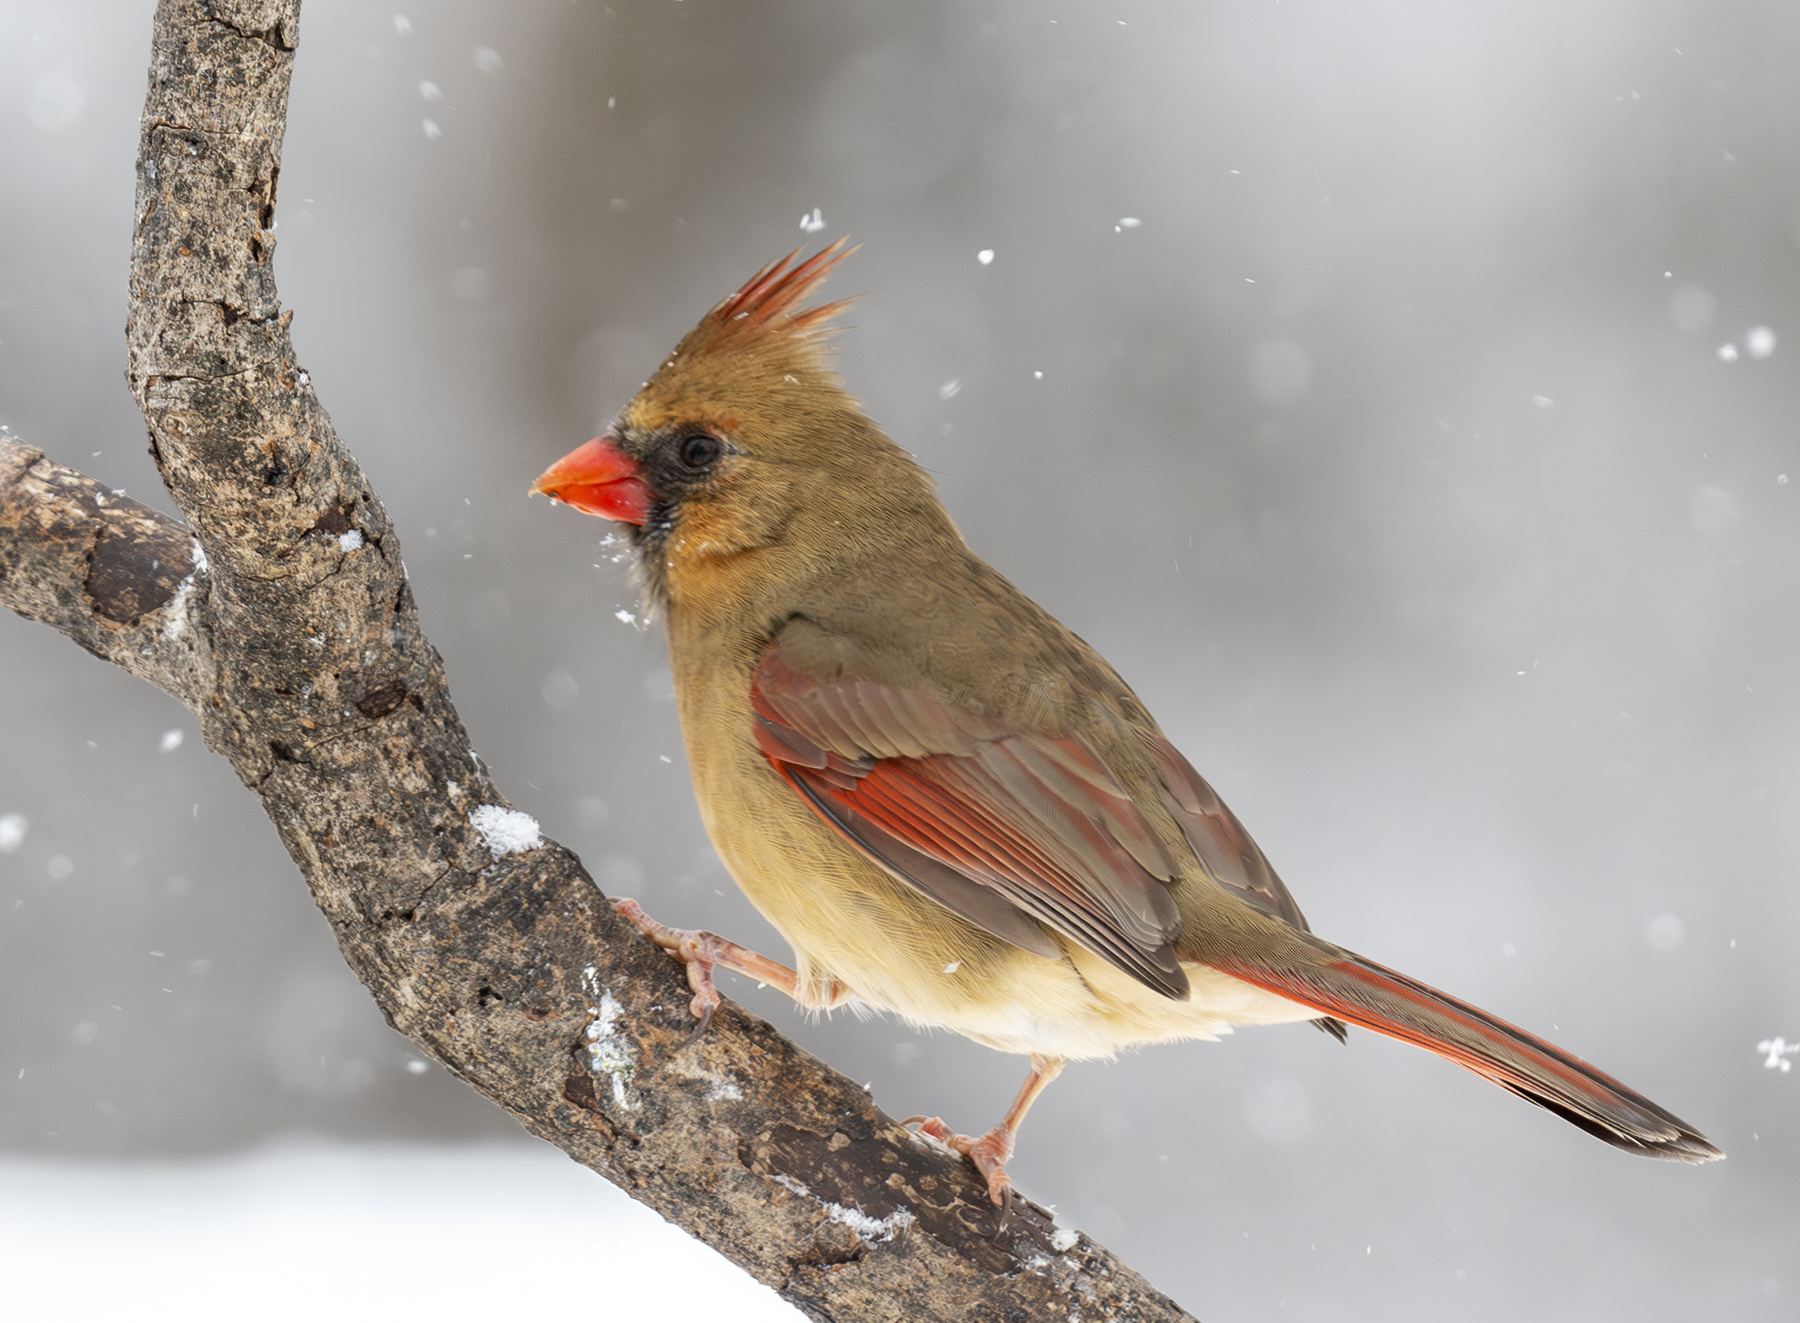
{"x": 1034, "y": 822}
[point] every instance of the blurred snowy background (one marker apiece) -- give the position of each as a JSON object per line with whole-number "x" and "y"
{"x": 1402, "y": 395}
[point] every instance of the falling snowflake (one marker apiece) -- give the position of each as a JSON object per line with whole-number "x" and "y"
{"x": 1776, "y": 1052}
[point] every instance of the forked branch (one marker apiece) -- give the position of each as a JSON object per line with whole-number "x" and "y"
{"x": 292, "y": 635}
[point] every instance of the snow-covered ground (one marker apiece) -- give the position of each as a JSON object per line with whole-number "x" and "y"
{"x": 314, "y": 1231}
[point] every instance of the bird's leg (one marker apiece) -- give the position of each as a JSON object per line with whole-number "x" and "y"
{"x": 700, "y": 951}
{"x": 991, "y": 1151}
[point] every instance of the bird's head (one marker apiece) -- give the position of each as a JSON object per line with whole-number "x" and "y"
{"x": 743, "y": 459}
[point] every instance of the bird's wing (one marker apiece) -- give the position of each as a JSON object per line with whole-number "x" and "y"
{"x": 1225, "y": 849}
{"x": 1009, "y": 829}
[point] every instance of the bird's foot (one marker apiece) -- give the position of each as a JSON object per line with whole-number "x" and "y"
{"x": 700, "y": 951}
{"x": 696, "y": 949}
{"x": 989, "y": 1153}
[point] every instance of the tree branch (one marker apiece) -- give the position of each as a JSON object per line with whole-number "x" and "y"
{"x": 293, "y": 637}
{"x": 124, "y": 581}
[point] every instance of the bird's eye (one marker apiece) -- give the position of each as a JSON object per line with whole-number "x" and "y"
{"x": 701, "y": 451}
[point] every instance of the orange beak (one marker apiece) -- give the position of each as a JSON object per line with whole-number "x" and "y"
{"x": 598, "y": 478}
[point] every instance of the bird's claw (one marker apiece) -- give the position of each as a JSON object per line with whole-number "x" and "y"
{"x": 704, "y": 1013}
{"x": 692, "y": 948}
{"x": 988, "y": 1153}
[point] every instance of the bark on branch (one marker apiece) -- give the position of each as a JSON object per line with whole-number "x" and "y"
{"x": 279, "y": 613}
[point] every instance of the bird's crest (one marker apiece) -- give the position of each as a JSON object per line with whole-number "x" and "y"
{"x": 766, "y": 312}
{"x": 777, "y": 289}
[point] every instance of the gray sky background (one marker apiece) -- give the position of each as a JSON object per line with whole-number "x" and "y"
{"x": 1416, "y": 456}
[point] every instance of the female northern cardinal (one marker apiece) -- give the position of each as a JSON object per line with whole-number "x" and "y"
{"x": 949, "y": 805}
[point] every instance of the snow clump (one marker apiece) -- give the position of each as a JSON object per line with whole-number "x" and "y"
{"x": 505, "y": 831}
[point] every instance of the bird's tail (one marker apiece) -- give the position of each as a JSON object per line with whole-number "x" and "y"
{"x": 1344, "y": 985}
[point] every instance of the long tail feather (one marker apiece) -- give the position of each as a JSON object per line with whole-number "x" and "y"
{"x": 1364, "y": 993}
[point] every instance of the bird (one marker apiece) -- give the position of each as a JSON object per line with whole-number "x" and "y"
{"x": 948, "y": 804}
